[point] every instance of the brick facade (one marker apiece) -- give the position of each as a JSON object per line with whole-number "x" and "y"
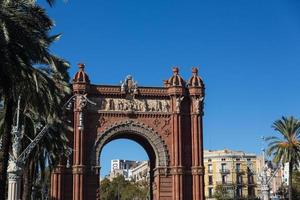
{"x": 166, "y": 121}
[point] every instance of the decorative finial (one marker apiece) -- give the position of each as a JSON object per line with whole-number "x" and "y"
{"x": 81, "y": 66}
{"x": 195, "y": 71}
{"x": 175, "y": 70}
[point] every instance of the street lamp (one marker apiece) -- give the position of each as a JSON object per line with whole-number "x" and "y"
{"x": 17, "y": 158}
{"x": 263, "y": 176}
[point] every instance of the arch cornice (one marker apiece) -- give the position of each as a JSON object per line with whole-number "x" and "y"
{"x": 141, "y": 130}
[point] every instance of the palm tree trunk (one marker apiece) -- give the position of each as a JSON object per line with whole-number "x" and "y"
{"x": 6, "y": 143}
{"x": 32, "y": 177}
{"x": 290, "y": 180}
{"x": 25, "y": 182}
{"x": 28, "y": 180}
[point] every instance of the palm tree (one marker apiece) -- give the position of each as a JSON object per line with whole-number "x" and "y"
{"x": 27, "y": 68}
{"x": 286, "y": 148}
{"x": 45, "y": 156}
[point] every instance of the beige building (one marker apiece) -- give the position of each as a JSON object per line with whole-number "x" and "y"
{"x": 234, "y": 171}
{"x": 141, "y": 172}
{"x": 131, "y": 170}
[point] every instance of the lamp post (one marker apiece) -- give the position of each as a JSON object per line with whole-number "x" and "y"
{"x": 17, "y": 158}
{"x": 13, "y": 169}
{"x": 264, "y": 179}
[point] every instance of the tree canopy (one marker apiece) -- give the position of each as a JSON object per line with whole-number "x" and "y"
{"x": 121, "y": 189}
{"x": 285, "y": 148}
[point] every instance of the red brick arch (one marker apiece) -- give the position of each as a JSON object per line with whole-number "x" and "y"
{"x": 146, "y": 136}
{"x": 166, "y": 121}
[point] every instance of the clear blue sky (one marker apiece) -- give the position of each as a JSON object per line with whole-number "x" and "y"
{"x": 247, "y": 51}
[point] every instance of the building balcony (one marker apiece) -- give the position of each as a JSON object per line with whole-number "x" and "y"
{"x": 239, "y": 171}
{"x": 251, "y": 184}
{"x": 225, "y": 183}
{"x": 224, "y": 171}
{"x": 239, "y": 183}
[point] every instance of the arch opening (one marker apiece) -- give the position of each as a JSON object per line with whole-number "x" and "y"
{"x": 146, "y": 146}
{"x": 152, "y": 143}
{"x": 133, "y": 170}
{"x": 150, "y": 140}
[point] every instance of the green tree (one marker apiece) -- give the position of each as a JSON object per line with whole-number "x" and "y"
{"x": 121, "y": 189}
{"x": 286, "y": 147}
{"x": 223, "y": 193}
{"x": 296, "y": 184}
{"x": 27, "y": 68}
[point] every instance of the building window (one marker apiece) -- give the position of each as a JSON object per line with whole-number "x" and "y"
{"x": 250, "y": 179}
{"x": 251, "y": 192}
{"x": 223, "y": 159}
{"x": 224, "y": 179}
{"x": 223, "y": 167}
{"x": 249, "y": 170}
{"x": 238, "y": 167}
{"x": 239, "y": 192}
{"x": 209, "y": 160}
{"x": 209, "y": 168}
{"x": 210, "y": 180}
{"x": 210, "y": 192}
{"x": 239, "y": 179}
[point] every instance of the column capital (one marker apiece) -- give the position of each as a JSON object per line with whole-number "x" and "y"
{"x": 78, "y": 169}
{"x": 161, "y": 171}
{"x": 59, "y": 169}
{"x": 177, "y": 170}
{"x": 197, "y": 170}
{"x": 14, "y": 176}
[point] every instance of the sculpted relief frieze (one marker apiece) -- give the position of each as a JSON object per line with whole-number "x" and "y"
{"x": 135, "y": 105}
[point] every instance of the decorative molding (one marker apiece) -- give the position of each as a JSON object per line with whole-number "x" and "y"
{"x": 132, "y": 105}
{"x": 156, "y": 122}
{"x": 102, "y": 121}
{"x": 167, "y": 132}
{"x": 116, "y": 91}
{"x": 167, "y": 122}
{"x": 138, "y": 129}
{"x": 140, "y": 115}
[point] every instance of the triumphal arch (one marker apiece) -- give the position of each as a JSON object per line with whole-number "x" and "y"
{"x": 166, "y": 121}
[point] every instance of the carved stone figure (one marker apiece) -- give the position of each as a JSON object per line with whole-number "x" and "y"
{"x": 198, "y": 104}
{"x": 144, "y": 105}
{"x": 129, "y": 86}
{"x": 178, "y": 103}
{"x": 165, "y": 106}
{"x": 111, "y": 104}
{"x": 107, "y": 105}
